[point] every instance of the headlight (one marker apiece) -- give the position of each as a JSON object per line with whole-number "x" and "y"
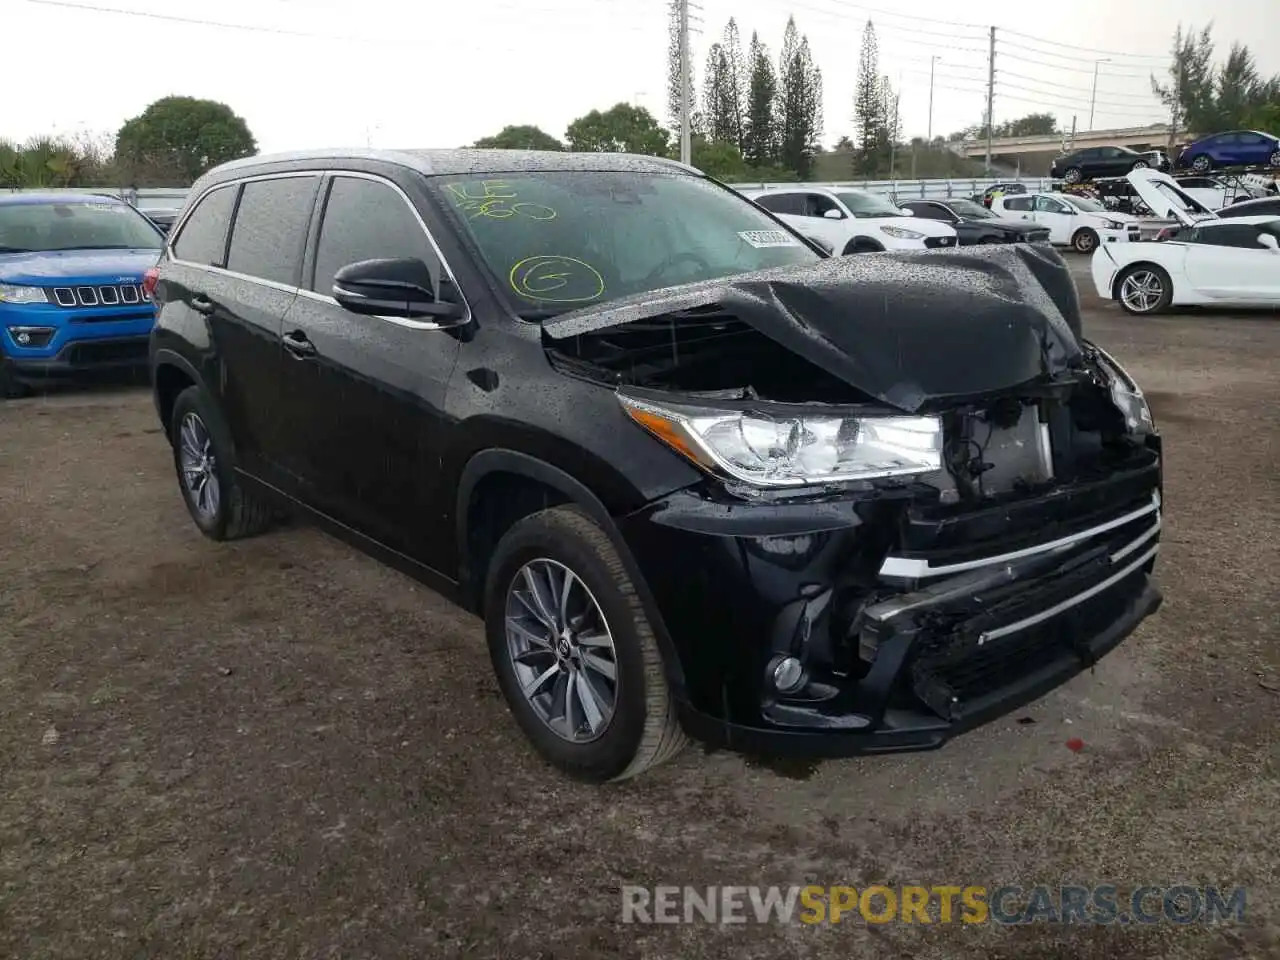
{"x": 793, "y": 451}
{"x": 11, "y": 294}
{"x": 902, "y": 233}
{"x": 1113, "y": 224}
{"x": 1127, "y": 395}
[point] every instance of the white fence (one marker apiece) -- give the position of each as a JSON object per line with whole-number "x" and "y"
{"x": 910, "y": 189}
{"x": 172, "y": 198}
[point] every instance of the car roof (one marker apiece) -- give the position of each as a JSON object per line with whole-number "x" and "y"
{"x": 12, "y": 199}
{"x": 441, "y": 162}
{"x": 1227, "y": 221}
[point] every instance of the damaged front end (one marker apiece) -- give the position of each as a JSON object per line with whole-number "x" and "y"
{"x": 927, "y": 499}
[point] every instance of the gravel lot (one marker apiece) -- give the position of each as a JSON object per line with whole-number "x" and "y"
{"x": 279, "y": 748}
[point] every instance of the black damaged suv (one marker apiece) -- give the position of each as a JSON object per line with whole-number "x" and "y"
{"x": 696, "y": 476}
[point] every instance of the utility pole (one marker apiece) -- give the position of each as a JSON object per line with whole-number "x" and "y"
{"x": 932, "y": 60}
{"x": 1094, "y": 98}
{"x": 991, "y": 94}
{"x": 686, "y": 148}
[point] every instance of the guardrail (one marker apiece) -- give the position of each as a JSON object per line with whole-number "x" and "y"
{"x": 910, "y": 189}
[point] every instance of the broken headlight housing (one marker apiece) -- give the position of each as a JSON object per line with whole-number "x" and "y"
{"x": 792, "y": 451}
{"x": 1127, "y": 395}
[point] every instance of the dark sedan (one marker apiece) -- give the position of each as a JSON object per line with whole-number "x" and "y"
{"x": 974, "y": 223}
{"x": 1094, "y": 162}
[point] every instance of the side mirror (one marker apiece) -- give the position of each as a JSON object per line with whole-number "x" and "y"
{"x": 834, "y": 214}
{"x": 393, "y": 288}
{"x": 1269, "y": 241}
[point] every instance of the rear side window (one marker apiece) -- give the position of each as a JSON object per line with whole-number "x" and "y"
{"x": 1018, "y": 203}
{"x": 203, "y": 238}
{"x": 792, "y": 203}
{"x": 368, "y": 220}
{"x": 271, "y": 228}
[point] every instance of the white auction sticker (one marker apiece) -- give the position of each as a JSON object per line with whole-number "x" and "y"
{"x": 769, "y": 238}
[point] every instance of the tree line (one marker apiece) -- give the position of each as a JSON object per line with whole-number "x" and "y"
{"x": 169, "y": 144}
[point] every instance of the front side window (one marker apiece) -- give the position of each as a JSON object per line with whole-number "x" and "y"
{"x": 75, "y": 225}
{"x": 368, "y": 220}
{"x": 270, "y": 230}
{"x": 203, "y": 239}
{"x": 1018, "y": 203}
{"x": 557, "y": 240}
{"x": 1243, "y": 235}
{"x": 818, "y": 204}
{"x": 1050, "y": 205}
{"x": 1087, "y": 204}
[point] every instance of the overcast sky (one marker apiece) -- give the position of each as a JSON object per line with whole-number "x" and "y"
{"x": 395, "y": 73}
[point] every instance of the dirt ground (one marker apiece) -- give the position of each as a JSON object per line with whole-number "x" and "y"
{"x": 279, "y": 748}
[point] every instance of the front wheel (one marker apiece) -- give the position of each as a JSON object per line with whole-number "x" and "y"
{"x": 1201, "y": 164}
{"x": 1275, "y": 159}
{"x": 574, "y": 652}
{"x": 861, "y": 245}
{"x": 1139, "y": 165}
{"x": 1084, "y": 241}
{"x": 1144, "y": 289}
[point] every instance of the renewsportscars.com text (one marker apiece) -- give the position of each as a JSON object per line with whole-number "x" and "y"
{"x": 1007, "y": 904}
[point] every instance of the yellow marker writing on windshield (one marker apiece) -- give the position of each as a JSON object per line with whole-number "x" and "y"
{"x": 554, "y": 279}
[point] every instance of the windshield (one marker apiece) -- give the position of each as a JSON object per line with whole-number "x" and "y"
{"x": 1087, "y": 204}
{"x": 967, "y": 208}
{"x": 557, "y": 240}
{"x": 44, "y": 227}
{"x": 868, "y": 205}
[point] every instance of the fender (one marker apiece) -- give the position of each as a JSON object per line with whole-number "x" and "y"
{"x": 499, "y": 460}
{"x": 163, "y": 356}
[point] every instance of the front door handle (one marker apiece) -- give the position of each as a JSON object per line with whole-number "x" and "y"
{"x": 298, "y": 345}
{"x": 202, "y": 304}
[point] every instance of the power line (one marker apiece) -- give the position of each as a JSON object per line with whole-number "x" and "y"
{"x": 1069, "y": 46}
{"x": 1085, "y": 90}
{"x": 1057, "y": 66}
{"x": 1043, "y": 100}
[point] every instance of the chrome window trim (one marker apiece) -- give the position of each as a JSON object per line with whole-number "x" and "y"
{"x": 310, "y": 294}
{"x": 915, "y": 568}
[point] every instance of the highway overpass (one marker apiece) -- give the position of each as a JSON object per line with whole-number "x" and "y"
{"x": 1155, "y": 136}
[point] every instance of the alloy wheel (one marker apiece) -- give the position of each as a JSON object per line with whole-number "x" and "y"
{"x": 199, "y": 466}
{"x": 1141, "y": 291}
{"x": 1275, "y": 159}
{"x": 1072, "y": 176}
{"x": 1200, "y": 164}
{"x": 561, "y": 650}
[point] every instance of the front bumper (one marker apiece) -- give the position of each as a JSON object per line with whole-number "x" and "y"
{"x": 913, "y": 623}
{"x": 79, "y": 357}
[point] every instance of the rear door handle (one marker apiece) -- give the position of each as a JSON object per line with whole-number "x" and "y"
{"x": 202, "y": 304}
{"x": 298, "y": 345}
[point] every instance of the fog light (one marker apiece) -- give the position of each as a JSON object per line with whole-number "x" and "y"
{"x": 31, "y": 336}
{"x": 787, "y": 674}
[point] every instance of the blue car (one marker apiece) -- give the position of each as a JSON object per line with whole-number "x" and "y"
{"x": 74, "y": 293}
{"x": 1235, "y": 148}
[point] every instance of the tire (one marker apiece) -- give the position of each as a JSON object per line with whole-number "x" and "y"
{"x": 1160, "y": 278}
{"x": 10, "y": 389}
{"x": 1085, "y": 240}
{"x": 1201, "y": 163}
{"x": 1275, "y": 159}
{"x": 1073, "y": 175}
{"x": 861, "y": 245}
{"x": 235, "y": 513}
{"x": 641, "y": 729}
{"x": 1139, "y": 165}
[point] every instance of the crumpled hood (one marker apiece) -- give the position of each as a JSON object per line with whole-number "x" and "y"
{"x": 76, "y": 266}
{"x": 911, "y": 329}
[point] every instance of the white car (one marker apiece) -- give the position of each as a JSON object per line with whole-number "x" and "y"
{"x": 1081, "y": 223}
{"x": 852, "y": 221}
{"x": 1211, "y": 260}
{"x": 1215, "y": 193}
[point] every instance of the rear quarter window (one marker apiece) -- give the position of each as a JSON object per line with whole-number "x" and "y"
{"x": 203, "y": 238}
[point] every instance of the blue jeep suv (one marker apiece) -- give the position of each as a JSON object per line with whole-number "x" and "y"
{"x": 74, "y": 297}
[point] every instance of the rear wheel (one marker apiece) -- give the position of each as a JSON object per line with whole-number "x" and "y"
{"x": 202, "y": 457}
{"x": 1072, "y": 176}
{"x": 1144, "y": 289}
{"x": 1084, "y": 241}
{"x": 1201, "y": 163}
{"x": 1139, "y": 165}
{"x": 574, "y": 652}
{"x": 1275, "y": 159}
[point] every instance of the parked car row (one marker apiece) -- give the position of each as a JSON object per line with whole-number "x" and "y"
{"x": 1233, "y": 148}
